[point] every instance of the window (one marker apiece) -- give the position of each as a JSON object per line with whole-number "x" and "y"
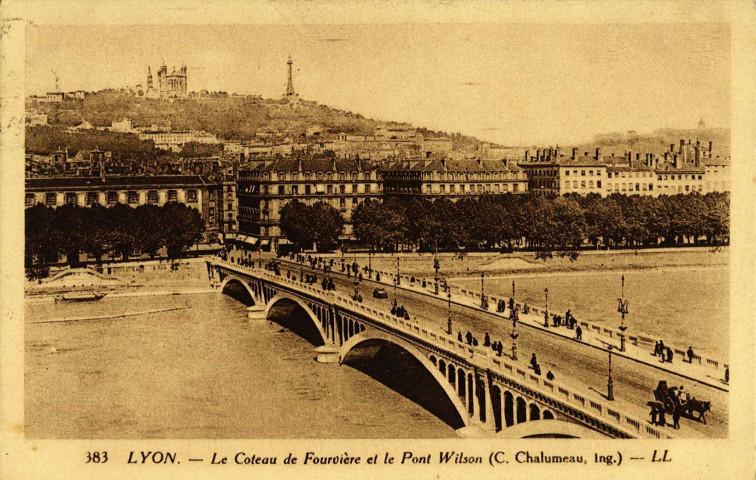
{"x": 295, "y": 189}
{"x": 70, "y": 199}
{"x": 443, "y": 188}
{"x": 152, "y": 196}
{"x": 590, "y": 172}
{"x": 574, "y": 184}
{"x": 191, "y": 196}
{"x": 566, "y": 173}
{"x": 307, "y": 190}
{"x": 687, "y": 188}
{"x": 590, "y": 183}
{"x": 582, "y": 183}
{"x": 453, "y": 188}
{"x": 91, "y": 198}
{"x": 609, "y": 174}
{"x": 582, "y": 173}
{"x": 329, "y": 189}
{"x": 650, "y": 186}
{"x": 50, "y": 199}
{"x": 342, "y": 202}
{"x": 342, "y": 189}
{"x": 637, "y": 187}
{"x": 172, "y": 196}
{"x": 280, "y": 189}
{"x": 112, "y": 198}
{"x": 29, "y": 199}
{"x": 133, "y": 197}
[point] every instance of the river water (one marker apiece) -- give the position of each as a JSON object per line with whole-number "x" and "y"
{"x": 199, "y": 371}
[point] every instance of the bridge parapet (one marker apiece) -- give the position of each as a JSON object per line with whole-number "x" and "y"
{"x": 598, "y": 414}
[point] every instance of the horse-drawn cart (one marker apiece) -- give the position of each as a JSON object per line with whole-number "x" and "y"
{"x": 667, "y": 399}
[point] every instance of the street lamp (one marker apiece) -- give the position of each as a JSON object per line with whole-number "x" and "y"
{"x": 483, "y": 301}
{"x": 448, "y": 315}
{"x": 436, "y": 266}
{"x": 622, "y": 308}
{"x": 546, "y": 313}
{"x": 514, "y": 334}
{"x": 397, "y": 270}
{"x": 609, "y": 383}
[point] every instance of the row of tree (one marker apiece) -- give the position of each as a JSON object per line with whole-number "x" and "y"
{"x": 306, "y": 225}
{"x": 543, "y": 223}
{"x": 69, "y": 230}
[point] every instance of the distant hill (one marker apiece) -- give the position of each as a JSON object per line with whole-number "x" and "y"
{"x": 228, "y": 116}
{"x": 658, "y": 142}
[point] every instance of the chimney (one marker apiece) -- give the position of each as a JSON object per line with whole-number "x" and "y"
{"x": 676, "y": 161}
{"x": 480, "y": 162}
{"x": 299, "y": 164}
{"x": 538, "y": 155}
{"x": 637, "y": 157}
{"x": 697, "y": 160}
{"x": 359, "y": 164}
{"x": 671, "y": 147}
{"x": 599, "y": 155}
{"x": 443, "y": 162}
{"x": 666, "y": 157}
{"x": 682, "y": 145}
{"x": 102, "y": 171}
{"x": 574, "y": 153}
{"x": 710, "y": 147}
{"x": 527, "y": 155}
{"x": 333, "y": 164}
{"x": 551, "y": 153}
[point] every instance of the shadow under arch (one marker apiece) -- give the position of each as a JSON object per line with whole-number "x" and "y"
{"x": 548, "y": 429}
{"x": 404, "y": 369}
{"x": 294, "y": 314}
{"x": 237, "y": 288}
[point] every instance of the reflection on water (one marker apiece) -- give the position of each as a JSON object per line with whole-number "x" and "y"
{"x": 203, "y": 371}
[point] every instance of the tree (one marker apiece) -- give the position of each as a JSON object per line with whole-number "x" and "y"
{"x": 326, "y": 224}
{"x": 184, "y": 227}
{"x": 295, "y": 224}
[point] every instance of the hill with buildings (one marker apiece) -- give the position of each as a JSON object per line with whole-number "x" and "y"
{"x": 659, "y": 141}
{"x": 230, "y": 117}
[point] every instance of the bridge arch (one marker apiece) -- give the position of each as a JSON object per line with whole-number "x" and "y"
{"x": 378, "y": 336}
{"x": 310, "y": 314}
{"x": 232, "y": 280}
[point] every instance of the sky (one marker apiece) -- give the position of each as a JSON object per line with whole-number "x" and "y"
{"x": 514, "y": 84}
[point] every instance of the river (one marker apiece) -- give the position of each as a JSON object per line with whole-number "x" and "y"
{"x": 199, "y": 371}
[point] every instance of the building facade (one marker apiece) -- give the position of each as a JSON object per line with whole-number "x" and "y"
{"x": 266, "y": 186}
{"x": 454, "y": 179}
{"x": 196, "y": 191}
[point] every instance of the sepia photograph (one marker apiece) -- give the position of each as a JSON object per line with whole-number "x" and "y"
{"x": 402, "y": 230}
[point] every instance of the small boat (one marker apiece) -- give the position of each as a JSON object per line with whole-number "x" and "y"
{"x": 81, "y": 297}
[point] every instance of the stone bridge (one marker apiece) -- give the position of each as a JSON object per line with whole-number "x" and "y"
{"x": 487, "y": 395}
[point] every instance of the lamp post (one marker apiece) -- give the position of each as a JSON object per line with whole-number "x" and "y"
{"x": 622, "y": 308}
{"x": 514, "y": 334}
{"x": 436, "y": 266}
{"x": 448, "y": 315}
{"x": 546, "y": 313}
{"x": 397, "y": 270}
{"x": 483, "y": 302}
{"x": 609, "y": 383}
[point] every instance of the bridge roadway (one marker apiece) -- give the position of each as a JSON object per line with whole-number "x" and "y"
{"x": 583, "y": 370}
{"x": 573, "y": 363}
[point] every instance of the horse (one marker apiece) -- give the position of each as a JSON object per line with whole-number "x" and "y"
{"x": 698, "y": 406}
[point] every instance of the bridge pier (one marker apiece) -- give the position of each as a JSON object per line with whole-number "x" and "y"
{"x": 256, "y": 312}
{"x": 328, "y": 354}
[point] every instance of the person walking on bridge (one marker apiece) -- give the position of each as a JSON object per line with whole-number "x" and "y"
{"x": 533, "y": 361}
{"x": 669, "y": 354}
{"x": 690, "y": 354}
{"x": 579, "y": 333}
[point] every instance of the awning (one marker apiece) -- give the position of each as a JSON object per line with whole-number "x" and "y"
{"x": 284, "y": 241}
{"x": 265, "y": 243}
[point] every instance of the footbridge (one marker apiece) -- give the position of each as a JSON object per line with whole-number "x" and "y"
{"x": 487, "y": 395}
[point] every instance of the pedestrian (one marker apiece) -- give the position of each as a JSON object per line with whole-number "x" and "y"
{"x": 676, "y": 413}
{"x": 549, "y": 375}
{"x": 469, "y": 338}
{"x": 487, "y": 340}
{"x": 537, "y": 370}
{"x": 727, "y": 374}
{"x": 459, "y": 337}
{"x": 499, "y": 349}
{"x": 533, "y": 361}
{"x": 662, "y": 418}
{"x": 475, "y": 342}
{"x": 690, "y": 354}
{"x": 669, "y": 354}
{"x": 654, "y": 414}
{"x": 661, "y": 349}
{"x": 656, "y": 348}
{"x": 579, "y": 333}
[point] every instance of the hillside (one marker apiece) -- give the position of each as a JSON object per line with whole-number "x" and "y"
{"x": 229, "y": 117}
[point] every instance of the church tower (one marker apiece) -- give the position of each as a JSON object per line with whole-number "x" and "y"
{"x": 149, "y": 78}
